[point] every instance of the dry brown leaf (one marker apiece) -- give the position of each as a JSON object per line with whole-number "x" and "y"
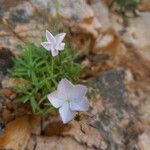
{"x": 16, "y": 134}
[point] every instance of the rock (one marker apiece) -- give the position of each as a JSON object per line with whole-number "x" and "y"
{"x": 16, "y": 134}
{"x": 20, "y": 13}
{"x": 117, "y": 22}
{"x": 30, "y": 32}
{"x": 31, "y": 144}
{"x": 68, "y": 9}
{"x": 35, "y": 123}
{"x": 92, "y": 28}
{"x": 115, "y": 92}
{"x": 79, "y": 131}
{"x": 138, "y": 31}
{"x": 7, "y": 115}
{"x": 84, "y": 133}
{"x": 2, "y": 126}
{"x": 9, "y": 93}
{"x": 144, "y": 140}
{"x": 19, "y": 28}
{"x": 6, "y": 61}
{"x": 83, "y": 25}
{"x": 1, "y": 106}
{"x": 66, "y": 143}
{"x": 9, "y": 40}
{"x": 138, "y": 34}
{"x": 19, "y": 16}
{"x": 15, "y": 82}
{"x": 112, "y": 113}
{"x": 108, "y": 2}
{"x": 104, "y": 41}
{"x": 128, "y": 76}
{"x": 2, "y": 10}
{"x": 15, "y": 19}
{"x": 120, "y": 104}
{"x": 144, "y": 110}
{"x": 85, "y": 34}
{"x": 102, "y": 13}
{"x": 109, "y": 42}
{"x": 56, "y": 127}
{"x": 9, "y": 3}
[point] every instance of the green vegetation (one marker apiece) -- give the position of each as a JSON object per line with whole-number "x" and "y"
{"x": 128, "y": 5}
{"x": 43, "y": 72}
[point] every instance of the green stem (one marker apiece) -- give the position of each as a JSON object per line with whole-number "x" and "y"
{"x": 52, "y": 69}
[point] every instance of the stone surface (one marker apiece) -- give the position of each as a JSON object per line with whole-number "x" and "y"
{"x": 138, "y": 34}
{"x": 65, "y": 143}
{"x": 111, "y": 86}
{"x": 79, "y": 131}
{"x": 117, "y": 120}
{"x": 113, "y": 48}
{"x": 5, "y": 60}
{"x": 69, "y": 9}
{"x": 102, "y": 13}
{"x": 144, "y": 139}
{"x": 35, "y": 122}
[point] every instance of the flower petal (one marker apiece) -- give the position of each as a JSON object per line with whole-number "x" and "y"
{"x": 46, "y": 45}
{"x": 55, "y": 99}
{"x": 60, "y": 47}
{"x": 65, "y": 113}
{"x": 50, "y": 37}
{"x": 78, "y": 92}
{"x": 65, "y": 87}
{"x": 54, "y": 52}
{"x": 59, "y": 38}
{"x": 79, "y": 105}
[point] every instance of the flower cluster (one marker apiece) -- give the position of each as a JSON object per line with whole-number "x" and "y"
{"x": 68, "y": 98}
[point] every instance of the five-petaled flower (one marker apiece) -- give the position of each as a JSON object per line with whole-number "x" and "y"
{"x": 69, "y": 99}
{"x": 54, "y": 43}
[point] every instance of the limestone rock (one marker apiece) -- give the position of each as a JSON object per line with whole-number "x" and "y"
{"x": 56, "y": 143}
{"x": 69, "y": 9}
{"x": 144, "y": 140}
{"x": 80, "y": 132}
{"x": 138, "y": 34}
{"x": 6, "y": 61}
{"x": 102, "y": 13}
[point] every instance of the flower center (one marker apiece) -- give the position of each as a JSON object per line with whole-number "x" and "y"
{"x": 68, "y": 100}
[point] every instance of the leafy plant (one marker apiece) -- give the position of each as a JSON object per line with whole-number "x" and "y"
{"x": 43, "y": 72}
{"x": 128, "y": 5}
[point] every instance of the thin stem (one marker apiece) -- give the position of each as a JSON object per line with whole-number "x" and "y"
{"x": 52, "y": 68}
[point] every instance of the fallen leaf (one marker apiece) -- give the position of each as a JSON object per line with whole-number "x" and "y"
{"x": 16, "y": 134}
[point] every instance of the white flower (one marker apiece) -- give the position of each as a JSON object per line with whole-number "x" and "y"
{"x": 69, "y": 99}
{"x": 54, "y": 43}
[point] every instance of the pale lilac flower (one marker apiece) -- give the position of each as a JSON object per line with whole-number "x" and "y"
{"x": 54, "y": 43}
{"x": 69, "y": 99}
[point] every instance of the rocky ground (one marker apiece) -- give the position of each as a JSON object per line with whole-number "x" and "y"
{"x": 116, "y": 55}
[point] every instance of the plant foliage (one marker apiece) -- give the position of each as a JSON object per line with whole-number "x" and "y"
{"x": 43, "y": 72}
{"x": 128, "y": 5}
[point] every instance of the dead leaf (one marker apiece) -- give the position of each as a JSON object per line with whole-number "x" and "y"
{"x": 16, "y": 134}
